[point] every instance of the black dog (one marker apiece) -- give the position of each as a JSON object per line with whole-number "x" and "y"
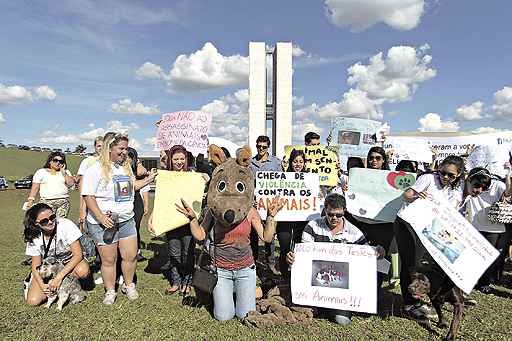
{"x": 439, "y": 288}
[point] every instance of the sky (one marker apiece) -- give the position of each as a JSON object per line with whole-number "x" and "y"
{"x": 72, "y": 71}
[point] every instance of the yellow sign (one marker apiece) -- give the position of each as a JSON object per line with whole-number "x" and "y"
{"x": 319, "y": 160}
{"x": 171, "y": 187}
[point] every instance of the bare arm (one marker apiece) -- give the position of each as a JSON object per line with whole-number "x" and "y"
{"x": 410, "y": 195}
{"x": 145, "y": 199}
{"x": 146, "y": 181}
{"x": 197, "y": 230}
{"x": 76, "y": 250}
{"x": 34, "y": 190}
{"x": 266, "y": 234}
{"x": 92, "y": 205}
{"x": 82, "y": 211}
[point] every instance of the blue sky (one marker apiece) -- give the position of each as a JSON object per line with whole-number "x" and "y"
{"x": 71, "y": 71}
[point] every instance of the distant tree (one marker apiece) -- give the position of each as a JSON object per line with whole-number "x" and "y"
{"x": 67, "y": 150}
{"x": 80, "y": 149}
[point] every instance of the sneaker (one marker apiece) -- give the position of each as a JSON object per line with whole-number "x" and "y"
{"x": 98, "y": 280}
{"x": 419, "y": 312}
{"x": 130, "y": 291}
{"x": 110, "y": 297}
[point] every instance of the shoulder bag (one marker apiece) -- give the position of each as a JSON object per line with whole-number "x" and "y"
{"x": 205, "y": 272}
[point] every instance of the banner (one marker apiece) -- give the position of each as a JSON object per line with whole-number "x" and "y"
{"x": 377, "y": 194}
{"x": 494, "y": 158}
{"x": 171, "y": 187}
{"x": 298, "y": 191}
{"x": 355, "y": 136}
{"x": 336, "y": 276}
{"x": 186, "y": 128}
{"x": 406, "y": 148}
{"x": 319, "y": 160}
{"x": 459, "y": 249}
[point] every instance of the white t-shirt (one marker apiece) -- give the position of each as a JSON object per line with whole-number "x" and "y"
{"x": 53, "y": 186}
{"x": 477, "y": 208}
{"x": 431, "y": 184}
{"x": 67, "y": 233}
{"x": 85, "y": 164}
{"x": 116, "y": 195}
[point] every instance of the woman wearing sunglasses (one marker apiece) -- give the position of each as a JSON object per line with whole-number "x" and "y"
{"x": 447, "y": 183}
{"x": 52, "y": 183}
{"x": 482, "y": 191}
{"x": 58, "y": 238}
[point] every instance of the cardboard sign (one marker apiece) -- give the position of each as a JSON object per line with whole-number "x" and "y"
{"x": 185, "y": 128}
{"x": 494, "y": 158}
{"x": 298, "y": 191}
{"x": 319, "y": 160}
{"x": 405, "y": 148}
{"x": 377, "y": 194}
{"x": 355, "y": 136}
{"x": 171, "y": 187}
{"x": 459, "y": 249}
{"x": 336, "y": 276}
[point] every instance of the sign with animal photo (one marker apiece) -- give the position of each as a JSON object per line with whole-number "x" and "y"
{"x": 171, "y": 187}
{"x": 186, "y": 128}
{"x": 355, "y": 136}
{"x": 320, "y": 160}
{"x": 298, "y": 191}
{"x": 335, "y": 276}
{"x": 459, "y": 249}
{"x": 377, "y": 194}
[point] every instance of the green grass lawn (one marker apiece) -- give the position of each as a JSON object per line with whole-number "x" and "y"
{"x": 155, "y": 316}
{"x": 15, "y": 164}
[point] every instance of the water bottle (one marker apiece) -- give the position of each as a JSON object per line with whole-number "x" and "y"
{"x": 108, "y": 234}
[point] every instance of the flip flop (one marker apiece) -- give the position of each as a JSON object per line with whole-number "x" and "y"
{"x": 171, "y": 290}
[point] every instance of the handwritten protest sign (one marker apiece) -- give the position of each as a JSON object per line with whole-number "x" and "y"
{"x": 298, "y": 191}
{"x": 405, "y": 148}
{"x": 355, "y": 136}
{"x": 459, "y": 249}
{"x": 171, "y": 187}
{"x": 377, "y": 194}
{"x": 186, "y": 128}
{"x": 336, "y": 276}
{"x": 494, "y": 158}
{"x": 320, "y": 161}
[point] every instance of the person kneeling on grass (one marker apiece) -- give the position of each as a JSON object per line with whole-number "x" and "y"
{"x": 47, "y": 234}
{"x": 333, "y": 228}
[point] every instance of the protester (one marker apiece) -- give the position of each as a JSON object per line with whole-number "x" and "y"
{"x": 263, "y": 161}
{"x": 141, "y": 197}
{"x": 483, "y": 191}
{"x": 290, "y": 232}
{"x": 312, "y": 139}
{"x": 108, "y": 187}
{"x": 233, "y": 258}
{"x": 57, "y": 237}
{"x": 52, "y": 183}
{"x": 377, "y": 232}
{"x": 84, "y": 165}
{"x": 333, "y": 228}
{"x": 407, "y": 166}
{"x": 446, "y": 183}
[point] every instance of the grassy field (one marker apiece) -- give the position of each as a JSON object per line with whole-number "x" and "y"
{"x": 15, "y": 164}
{"x": 156, "y": 316}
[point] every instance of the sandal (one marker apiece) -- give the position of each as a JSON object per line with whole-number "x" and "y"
{"x": 171, "y": 290}
{"x": 186, "y": 290}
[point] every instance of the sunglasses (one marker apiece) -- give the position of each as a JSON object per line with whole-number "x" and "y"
{"x": 448, "y": 174}
{"x": 261, "y": 146}
{"x": 337, "y": 215}
{"x": 377, "y": 157}
{"x": 46, "y": 221}
{"x": 58, "y": 161}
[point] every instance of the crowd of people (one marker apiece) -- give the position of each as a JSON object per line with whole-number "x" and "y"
{"x": 114, "y": 197}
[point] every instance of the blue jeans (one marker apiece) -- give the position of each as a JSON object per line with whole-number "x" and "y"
{"x": 242, "y": 283}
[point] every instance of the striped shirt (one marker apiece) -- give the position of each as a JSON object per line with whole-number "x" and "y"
{"x": 318, "y": 231}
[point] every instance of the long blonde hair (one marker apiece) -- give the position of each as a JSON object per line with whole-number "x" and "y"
{"x": 112, "y": 139}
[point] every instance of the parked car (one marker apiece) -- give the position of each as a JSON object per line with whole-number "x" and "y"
{"x": 35, "y": 148}
{"x": 26, "y": 182}
{"x": 2, "y": 145}
{"x": 3, "y": 183}
{"x": 10, "y": 145}
{"x": 23, "y": 147}
{"x": 46, "y": 149}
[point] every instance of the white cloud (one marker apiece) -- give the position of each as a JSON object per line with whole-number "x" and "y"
{"x": 14, "y": 94}
{"x": 45, "y": 92}
{"x": 297, "y": 51}
{"x": 126, "y": 106}
{"x": 503, "y": 103}
{"x": 134, "y": 143}
{"x": 433, "y": 122}
{"x": 2, "y": 118}
{"x": 470, "y": 112}
{"x": 301, "y": 128}
{"x": 150, "y": 71}
{"x": 486, "y": 130}
{"x": 150, "y": 141}
{"x": 362, "y": 14}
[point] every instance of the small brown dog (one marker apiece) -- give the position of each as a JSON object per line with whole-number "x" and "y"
{"x": 440, "y": 289}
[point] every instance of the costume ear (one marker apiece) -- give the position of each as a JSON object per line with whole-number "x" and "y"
{"x": 216, "y": 154}
{"x": 243, "y": 156}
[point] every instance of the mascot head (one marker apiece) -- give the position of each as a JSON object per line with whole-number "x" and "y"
{"x": 231, "y": 190}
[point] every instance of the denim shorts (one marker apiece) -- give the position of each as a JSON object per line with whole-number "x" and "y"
{"x": 124, "y": 230}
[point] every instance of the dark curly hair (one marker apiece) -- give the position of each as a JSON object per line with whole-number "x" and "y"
{"x": 382, "y": 152}
{"x": 31, "y": 230}
{"x": 293, "y": 155}
{"x": 52, "y": 155}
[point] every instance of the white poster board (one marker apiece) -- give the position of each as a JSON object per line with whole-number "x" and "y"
{"x": 407, "y": 148}
{"x": 336, "y": 276}
{"x": 298, "y": 191}
{"x": 495, "y": 158}
{"x": 377, "y": 194}
{"x": 459, "y": 249}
